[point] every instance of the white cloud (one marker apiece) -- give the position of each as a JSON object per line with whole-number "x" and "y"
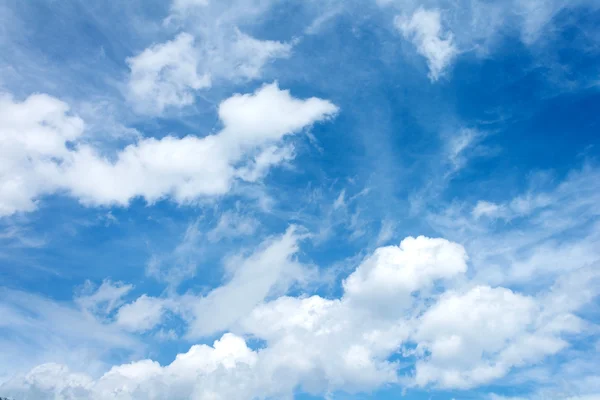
{"x": 390, "y": 276}
{"x": 39, "y": 330}
{"x": 477, "y": 336}
{"x": 201, "y": 373}
{"x": 166, "y": 75}
{"x": 386, "y": 232}
{"x": 169, "y": 74}
{"x": 32, "y": 135}
{"x": 141, "y": 315}
{"x": 41, "y": 154}
{"x": 424, "y": 30}
{"x": 270, "y": 270}
{"x": 464, "y": 337}
{"x": 104, "y": 299}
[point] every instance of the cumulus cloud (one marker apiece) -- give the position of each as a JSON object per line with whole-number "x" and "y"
{"x": 196, "y": 374}
{"x": 392, "y": 274}
{"x": 532, "y": 237}
{"x": 231, "y": 225}
{"x": 33, "y": 134}
{"x": 477, "y": 336}
{"x": 42, "y": 153}
{"x": 476, "y": 26}
{"x": 462, "y": 338}
{"x": 424, "y": 30}
{"x": 487, "y": 209}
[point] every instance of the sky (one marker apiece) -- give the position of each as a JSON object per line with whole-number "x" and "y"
{"x": 317, "y": 199}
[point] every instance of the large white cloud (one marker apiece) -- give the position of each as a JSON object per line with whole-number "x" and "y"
{"x": 33, "y": 134}
{"x": 465, "y": 337}
{"x": 42, "y": 152}
{"x": 392, "y": 274}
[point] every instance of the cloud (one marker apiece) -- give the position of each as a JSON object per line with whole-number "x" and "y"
{"x": 532, "y": 237}
{"x": 42, "y": 153}
{"x": 169, "y": 74}
{"x": 141, "y": 315}
{"x": 231, "y": 225}
{"x": 37, "y": 330}
{"x": 104, "y": 299}
{"x": 195, "y": 374}
{"x": 476, "y": 337}
{"x": 477, "y": 26}
{"x": 33, "y": 134}
{"x": 166, "y": 75}
{"x": 487, "y": 209}
{"x": 270, "y": 270}
{"x": 464, "y": 336}
{"x": 392, "y": 274}
{"x": 424, "y": 30}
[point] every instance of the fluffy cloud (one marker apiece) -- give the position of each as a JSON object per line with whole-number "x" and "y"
{"x": 142, "y": 314}
{"x": 477, "y": 336}
{"x": 392, "y": 274}
{"x": 424, "y": 30}
{"x": 196, "y": 374}
{"x": 464, "y": 337}
{"x": 42, "y": 154}
{"x": 33, "y": 134}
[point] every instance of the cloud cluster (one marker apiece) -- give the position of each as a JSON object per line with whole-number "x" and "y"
{"x": 463, "y": 337}
{"x": 42, "y": 152}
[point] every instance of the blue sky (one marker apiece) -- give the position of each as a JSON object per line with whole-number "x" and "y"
{"x": 260, "y": 199}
